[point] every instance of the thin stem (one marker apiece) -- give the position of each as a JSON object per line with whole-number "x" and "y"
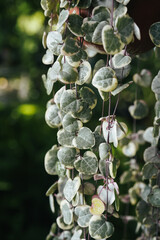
{"x": 112, "y": 9}
{"x": 84, "y": 233}
{"x": 117, "y": 102}
{"x": 107, "y": 63}
{"x": 76, "y": 87}
{"x": 51, "y": 20}
{"x": 82, "y": 188}
{"x": 107, "y": 190}
{"x": 72, "y": 173}
{"x": 88, "y": 236}
{"x": 103, "y": 108}
{"x": 107, "y": 170}
{"x": 102, "y": 115}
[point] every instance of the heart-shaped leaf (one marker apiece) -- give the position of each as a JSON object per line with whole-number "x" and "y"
{"x": 105, "y": 79}
{"x": 106, "y": 195}
{"x": 68, "y": 74}
{"x": 99, "y": 228}
{"x": 139, "y": 110}
{"x": 69, "y": 102}
{"x": 100, "y": 13}
{"x": 65, "y": 138}
{"x": 125, "y": 27}
{"x": 74, "y": 24}
{"x": 143, "y": 79}
{"x": 67, "y": 212}
{"x": 83, "y": 215}
{"x": 70, "y": 124}
{"x": 52, "y": 116}
{"x": 70, "y": 47}
{"x": 85, "y": 139}
{"x": 97, "y": 207}
{"x": 88, "y": 164}
{"x": 120, "y": 61}
{"x": 111, "y": 42}
{"x": 88, "y": 96}
{"x": 71, "y": 188}
{"x": 54, "y": 42}
{"x": 67, "y": 156}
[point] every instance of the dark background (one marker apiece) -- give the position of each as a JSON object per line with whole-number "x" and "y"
{"x": 25, "y": 137}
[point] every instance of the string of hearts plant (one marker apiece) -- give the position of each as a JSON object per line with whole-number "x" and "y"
{"x": 86, "y": 191}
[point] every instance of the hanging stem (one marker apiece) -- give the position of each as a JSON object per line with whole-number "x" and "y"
{"x": 84, "y": 233}
{"x": 112, "y": 9}
{"x": 88, "y": 236}
{"x": 102, "y": 115}
{"x": 107, "y": 160}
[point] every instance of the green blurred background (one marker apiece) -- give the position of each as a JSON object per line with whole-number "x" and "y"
{"x": 25, "y": 137}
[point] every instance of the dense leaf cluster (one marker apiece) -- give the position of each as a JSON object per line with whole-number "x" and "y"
{"x": 84, "y": 160}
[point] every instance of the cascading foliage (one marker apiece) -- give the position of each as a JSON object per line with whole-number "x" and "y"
{"x": 84, "y": 160}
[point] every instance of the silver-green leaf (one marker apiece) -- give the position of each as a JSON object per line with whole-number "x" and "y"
{"x": 71, "y": 188}
{"x": 105, "y": 79}
{"x": 99, "y": 228}
{"x": 85, "y": 139}
{"x": 83, "y": 215}
{"x": 88, "y": 164}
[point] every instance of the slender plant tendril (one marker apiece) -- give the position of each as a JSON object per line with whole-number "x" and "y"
{"x": 109, "y": 113}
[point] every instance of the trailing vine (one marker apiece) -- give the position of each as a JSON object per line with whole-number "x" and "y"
{"x": 84, "y": 160}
